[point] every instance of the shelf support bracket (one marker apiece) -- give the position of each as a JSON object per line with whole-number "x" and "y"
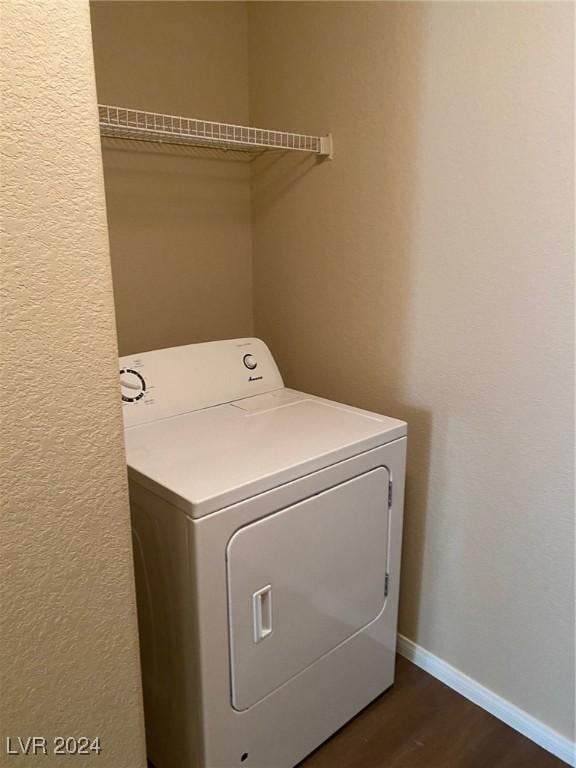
{"x": 327, "y": 147}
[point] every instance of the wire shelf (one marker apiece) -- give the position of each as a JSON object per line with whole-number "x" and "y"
{"x": 123, "y": 123}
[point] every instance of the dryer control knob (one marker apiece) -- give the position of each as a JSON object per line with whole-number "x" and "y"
{"x": 132, "y": 385}
{"x": 250, "y": 362}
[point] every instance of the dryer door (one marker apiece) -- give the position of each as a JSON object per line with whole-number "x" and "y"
{"x": 303, "y": 580}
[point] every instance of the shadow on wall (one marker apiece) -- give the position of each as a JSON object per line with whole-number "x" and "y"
{"x": 277, "y": 172}
{"x": 180, "y": 243}
{"x": 332, "y": 240}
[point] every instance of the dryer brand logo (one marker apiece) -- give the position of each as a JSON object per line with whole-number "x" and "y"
{"x": 255, "y": 378}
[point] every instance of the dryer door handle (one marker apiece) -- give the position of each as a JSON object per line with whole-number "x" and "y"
{"x": 262, "y": 613}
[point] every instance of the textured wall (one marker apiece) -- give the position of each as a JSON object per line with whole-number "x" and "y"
{"x": 179, "y": 217}
{"x": 426, "y": 272}
{"x": 68, "y": 647}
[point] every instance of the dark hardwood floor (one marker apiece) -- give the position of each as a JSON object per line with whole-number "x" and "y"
{"x": 421, "y": 723}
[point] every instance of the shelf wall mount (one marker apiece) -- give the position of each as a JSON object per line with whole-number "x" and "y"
{"x": 134, "y": 124}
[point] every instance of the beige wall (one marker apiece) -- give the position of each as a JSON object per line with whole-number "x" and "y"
{"x": 68, "y": 645}
{"x": 426, "y": 272}
{"x": 179, "y": 218}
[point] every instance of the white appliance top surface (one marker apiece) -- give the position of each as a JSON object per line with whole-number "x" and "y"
{"x": 204, "y": 460}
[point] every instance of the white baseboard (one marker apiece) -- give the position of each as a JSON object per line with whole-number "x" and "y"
{"x": 513, "y": 716}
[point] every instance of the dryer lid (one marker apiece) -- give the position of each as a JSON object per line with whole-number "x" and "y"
{"x": 208, "y": 459}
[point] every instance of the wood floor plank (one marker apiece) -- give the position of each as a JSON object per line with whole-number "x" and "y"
{"x": 421, "y": 723}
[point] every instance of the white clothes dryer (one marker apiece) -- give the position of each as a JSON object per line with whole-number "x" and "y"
{"x": 267, "y": 527}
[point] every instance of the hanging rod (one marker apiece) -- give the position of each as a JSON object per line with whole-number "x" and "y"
{"x": 123, "y": 123}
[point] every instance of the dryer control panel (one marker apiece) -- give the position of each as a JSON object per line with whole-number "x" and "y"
{"x": 168, "y": 382}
